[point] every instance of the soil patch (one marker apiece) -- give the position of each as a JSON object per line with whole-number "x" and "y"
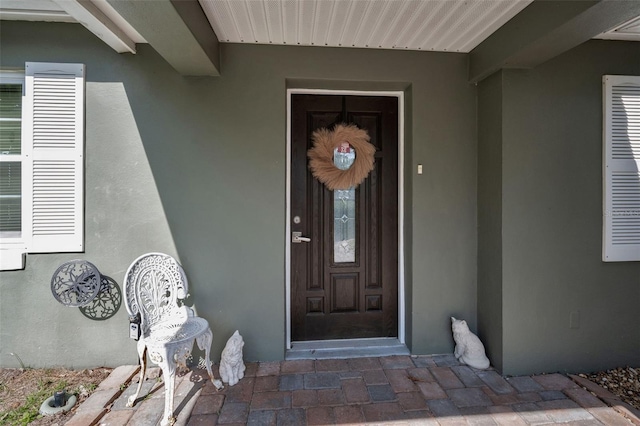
{"x": 22, "y": 391}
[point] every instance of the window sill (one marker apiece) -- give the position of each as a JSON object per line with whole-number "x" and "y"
{"x": 12, "y": 259}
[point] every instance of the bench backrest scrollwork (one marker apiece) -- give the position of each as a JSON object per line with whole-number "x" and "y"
{"x": 155, "y": 285}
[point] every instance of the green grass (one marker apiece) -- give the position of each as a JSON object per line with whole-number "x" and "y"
{"x": 28, "y": 412}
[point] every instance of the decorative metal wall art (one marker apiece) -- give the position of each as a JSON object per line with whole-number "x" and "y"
{"x": 106, "y": 303}
{"x": 75, "y": 283}
{"x": 79, "y": 284}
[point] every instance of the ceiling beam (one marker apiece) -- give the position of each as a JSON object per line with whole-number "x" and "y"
{"x": 87, "y": 14}
{"x": 544, "y": 30}
{"x": 178, "y": 30}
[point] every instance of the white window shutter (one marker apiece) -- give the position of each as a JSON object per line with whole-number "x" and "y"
{"x": 53, "y": 183}
{"x": 621, "y": 127}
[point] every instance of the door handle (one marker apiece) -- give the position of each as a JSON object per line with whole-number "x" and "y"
{"x": 296, "y": 237}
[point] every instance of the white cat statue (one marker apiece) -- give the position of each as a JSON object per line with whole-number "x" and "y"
{"x": 231, "y": 365}
{"x": 469, "y": 349}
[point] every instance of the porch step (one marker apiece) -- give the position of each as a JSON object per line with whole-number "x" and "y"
{"x": 340, "y": 349}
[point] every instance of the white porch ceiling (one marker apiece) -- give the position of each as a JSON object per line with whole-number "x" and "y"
{"x": 33, "y": 10}
{"x": 629, "y": 31}
{"x": 97, "y": 15}
{"x": 437, "y": 25}
{"x": 495, "y": 33}
{"x": 430, "y": 25}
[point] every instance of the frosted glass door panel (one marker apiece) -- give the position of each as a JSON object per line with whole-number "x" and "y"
{"x": 344, "y": 225}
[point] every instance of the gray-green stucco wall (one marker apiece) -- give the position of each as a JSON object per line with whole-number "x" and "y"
{"x": 547, "y": 147}
{"x": 196, "y": 167}
{"x": 490, "y": 217}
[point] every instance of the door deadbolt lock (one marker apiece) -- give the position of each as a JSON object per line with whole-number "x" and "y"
{"x": 296, "y": 237}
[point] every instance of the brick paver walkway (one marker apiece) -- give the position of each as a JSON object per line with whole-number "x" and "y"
{"x": 421, "y": 390}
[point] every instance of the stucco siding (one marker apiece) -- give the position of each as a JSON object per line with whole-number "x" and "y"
{"x": 503, "y": 228}
{"x": 196, "y": 167}
{"x": 490, "y": 216}
{"x": 552, "y": 220}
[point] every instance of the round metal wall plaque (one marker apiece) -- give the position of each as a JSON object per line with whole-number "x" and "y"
{"x": 106, "y": 304}
{"x": 75, "y": 283}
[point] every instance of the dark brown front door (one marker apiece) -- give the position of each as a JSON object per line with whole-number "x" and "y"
{"x": 344, "y": 281}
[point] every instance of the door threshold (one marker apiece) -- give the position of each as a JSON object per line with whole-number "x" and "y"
{"x": 346, "y": 348}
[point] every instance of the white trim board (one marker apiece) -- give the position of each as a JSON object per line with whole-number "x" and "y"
{"x": 401, "y": 283}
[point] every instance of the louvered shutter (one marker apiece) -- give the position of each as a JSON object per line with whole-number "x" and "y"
{"x": 621, "y": 221}
{"x": 53, "y": 123}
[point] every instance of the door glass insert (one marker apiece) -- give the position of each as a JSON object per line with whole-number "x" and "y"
{"x": 344, "y": 225}
{"x": 344, "y": 210}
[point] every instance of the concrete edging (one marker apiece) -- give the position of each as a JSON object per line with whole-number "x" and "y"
{"x": 609, "y": 398}
{"x": 97, "y": 405}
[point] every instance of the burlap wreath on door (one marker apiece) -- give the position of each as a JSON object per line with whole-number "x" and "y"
{"x": 321, "y": 156}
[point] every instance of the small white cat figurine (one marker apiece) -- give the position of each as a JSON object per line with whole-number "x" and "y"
{"x": 469, "y": 349}
{"x": 231, "y": 365}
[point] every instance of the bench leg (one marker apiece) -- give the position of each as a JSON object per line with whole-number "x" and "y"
{"x": 204, "y": 343}
{"x": 142, "y": 354}
{"x": 168, "y": 366}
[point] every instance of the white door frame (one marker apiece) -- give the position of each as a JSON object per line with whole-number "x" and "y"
{"x": 401, "y": 288}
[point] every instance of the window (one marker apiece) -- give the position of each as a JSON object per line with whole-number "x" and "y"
{"x": 41, "y": 161}
{"x": 11, "y": 93}
{"x": 621, "y": 132}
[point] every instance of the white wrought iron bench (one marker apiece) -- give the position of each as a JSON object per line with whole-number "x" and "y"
{"x": 155, "y": 286}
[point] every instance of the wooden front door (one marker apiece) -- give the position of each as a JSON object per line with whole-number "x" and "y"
{"x": 344, "y": 280}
